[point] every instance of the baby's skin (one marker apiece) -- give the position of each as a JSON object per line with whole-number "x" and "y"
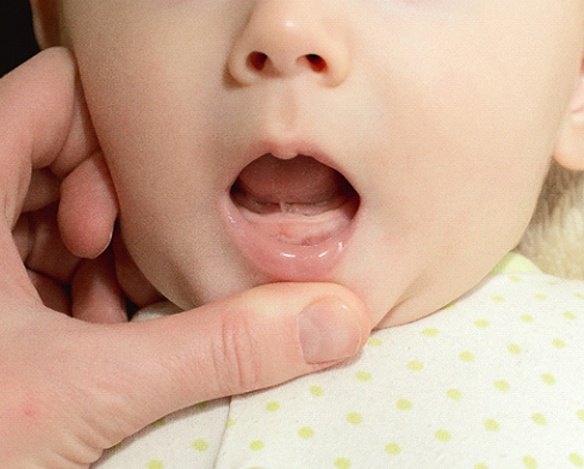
{"x": 397, "y": 148}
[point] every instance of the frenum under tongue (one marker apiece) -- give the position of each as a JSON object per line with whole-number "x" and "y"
{"x": 301, "y": 186}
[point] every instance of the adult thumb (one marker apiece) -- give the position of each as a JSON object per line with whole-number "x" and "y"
{"x": 253, "y": 340}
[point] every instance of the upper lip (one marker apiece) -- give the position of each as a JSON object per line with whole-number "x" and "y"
{"x": 286, "y": 149}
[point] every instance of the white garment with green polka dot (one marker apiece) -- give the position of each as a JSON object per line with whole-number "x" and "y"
{"x": 496, "y": 380}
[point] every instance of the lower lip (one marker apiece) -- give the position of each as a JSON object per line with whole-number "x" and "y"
{"x": 282, "y": 261}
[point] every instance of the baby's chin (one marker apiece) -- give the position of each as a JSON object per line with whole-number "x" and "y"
{"x": 393, "y": 296}
{"x": 219, "y": 281}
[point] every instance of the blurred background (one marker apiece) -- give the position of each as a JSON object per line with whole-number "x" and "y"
{"x": 16, "y": 37}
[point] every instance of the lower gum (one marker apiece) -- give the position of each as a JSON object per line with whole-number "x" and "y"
{"x": 298, "y": 229}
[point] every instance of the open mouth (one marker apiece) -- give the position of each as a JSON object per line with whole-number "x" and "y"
{"x": 297, "y": 201}
{"x": 292, "y": 219}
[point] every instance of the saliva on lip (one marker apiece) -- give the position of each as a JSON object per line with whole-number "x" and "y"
{"x": 336, "y": 249}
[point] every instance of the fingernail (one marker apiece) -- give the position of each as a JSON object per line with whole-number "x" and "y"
{"x": 328, "y": 331}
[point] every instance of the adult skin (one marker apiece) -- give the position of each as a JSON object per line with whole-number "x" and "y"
{"x": 71, "y": 388}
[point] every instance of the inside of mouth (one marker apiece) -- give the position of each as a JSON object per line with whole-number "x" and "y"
{"x": 298, "y": 201}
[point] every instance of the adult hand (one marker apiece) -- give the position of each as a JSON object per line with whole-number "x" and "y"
{"x": 72, "y": 388}
{"x": 70, "y": 268}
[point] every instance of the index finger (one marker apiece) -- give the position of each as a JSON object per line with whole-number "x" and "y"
{"x": 43, "y": 122}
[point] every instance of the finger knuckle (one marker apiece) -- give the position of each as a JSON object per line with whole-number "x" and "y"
{"x": 236, "y": 358}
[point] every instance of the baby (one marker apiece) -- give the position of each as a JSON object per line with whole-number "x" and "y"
{"x": 381, "y": 146}
{"x": 396, "y": 148}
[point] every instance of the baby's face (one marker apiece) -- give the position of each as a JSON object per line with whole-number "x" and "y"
{"x": 396, "y": 147}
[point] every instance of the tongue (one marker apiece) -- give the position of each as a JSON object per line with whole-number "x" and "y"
{"x": 299, "y": 184}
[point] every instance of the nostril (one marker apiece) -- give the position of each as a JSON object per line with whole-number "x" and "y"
{"x": 257, "y": 60}
{"x": 316, "y": 62}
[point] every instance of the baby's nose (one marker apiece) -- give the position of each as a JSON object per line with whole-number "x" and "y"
{"x": 284, "y": 38}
